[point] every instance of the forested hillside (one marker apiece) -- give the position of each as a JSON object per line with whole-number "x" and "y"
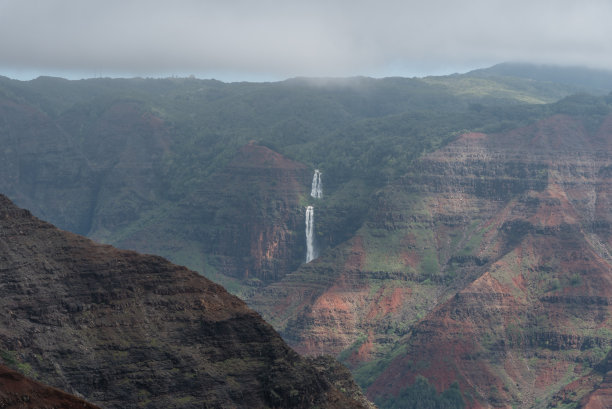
{"x": 117, "y": 159}
{"x": 463, "y": 233}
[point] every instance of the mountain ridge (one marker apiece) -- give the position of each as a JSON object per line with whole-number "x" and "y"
{"x": 591, "y": 80}
{"x": 125, "y": 330}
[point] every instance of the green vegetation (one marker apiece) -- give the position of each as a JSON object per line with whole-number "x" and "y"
{"x": 367, "y": 373}
{"x": 150, "y": 153}
{"x": 429, "y": 265}
{"x": 362, "y": 132}
{"x": 9, "y": 359}
{"x": 422, "y": 395}
{"x": 344, "y": 355}
{"x": 499, "y": 88}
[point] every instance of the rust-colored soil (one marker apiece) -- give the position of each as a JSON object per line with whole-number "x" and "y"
{"x": 18, "y": 392}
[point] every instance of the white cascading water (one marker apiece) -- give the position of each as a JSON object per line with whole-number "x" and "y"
{"x": 310, "y": 249}
{"x": 317, "y": 186}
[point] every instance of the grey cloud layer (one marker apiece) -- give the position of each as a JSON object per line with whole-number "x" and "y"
{"x": 288, "y": 38}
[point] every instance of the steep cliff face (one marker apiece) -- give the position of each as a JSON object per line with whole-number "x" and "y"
{"x": 103, "y": 168}
{"x": 244, "y": 222}
{"x": 538, "y": 316}
{"x": 126, "y": 330}
{"x": 489, "y": 264}
{"x": 41, "y": 167}
{"x": 124, "y": 143}
{"x": 93, "y": 170}
{"x": 258, "y": 215}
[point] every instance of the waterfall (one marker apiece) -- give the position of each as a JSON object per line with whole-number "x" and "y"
{"x": 317, "y": 186}
{"x": 310, "y": 249}
{"x": 317, "y": 193}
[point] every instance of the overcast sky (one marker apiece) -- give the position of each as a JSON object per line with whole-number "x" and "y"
{"x": 276, "y": 39}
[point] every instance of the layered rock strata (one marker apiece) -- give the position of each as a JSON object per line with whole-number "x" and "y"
{"x": 244, "y": 223}
{"x": 489, "y": 264}
{"x": 125, "y": 330}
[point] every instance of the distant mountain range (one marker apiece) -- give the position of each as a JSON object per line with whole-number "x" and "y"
{"x": 598, "y": 82}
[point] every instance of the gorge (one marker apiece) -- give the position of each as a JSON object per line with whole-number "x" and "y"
{"x": 463, "y": 243}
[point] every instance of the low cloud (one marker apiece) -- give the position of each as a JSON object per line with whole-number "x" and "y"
{"x": 286, "y": 38}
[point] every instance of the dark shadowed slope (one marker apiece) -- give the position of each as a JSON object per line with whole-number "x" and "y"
{"x": 126, "y": 330}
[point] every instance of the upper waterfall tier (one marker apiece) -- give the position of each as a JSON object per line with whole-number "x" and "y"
{"x": 317, "y": 186}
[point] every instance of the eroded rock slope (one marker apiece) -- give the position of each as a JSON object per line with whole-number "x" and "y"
{"x": 489, "y": 264}
{"x": 126, "y": 330}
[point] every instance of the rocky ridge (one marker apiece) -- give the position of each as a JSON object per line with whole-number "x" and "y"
{"x": 126, "y": 330}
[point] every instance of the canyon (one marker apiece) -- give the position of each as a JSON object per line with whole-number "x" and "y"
{"x": 487, "y": 265}
{"x": 463, "y": 238}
